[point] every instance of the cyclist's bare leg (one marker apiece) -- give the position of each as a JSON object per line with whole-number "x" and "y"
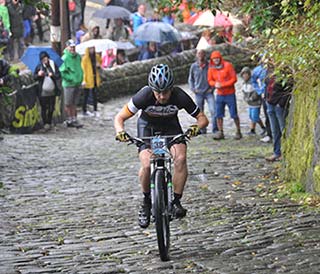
{"x": 144, "y": 172}
{"x": 179, "y": 152}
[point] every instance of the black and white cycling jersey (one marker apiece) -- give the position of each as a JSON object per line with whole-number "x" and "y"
{"x": 156, "y": 113}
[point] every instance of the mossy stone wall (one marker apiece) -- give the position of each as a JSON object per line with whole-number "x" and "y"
{"x": 301, "y": 145}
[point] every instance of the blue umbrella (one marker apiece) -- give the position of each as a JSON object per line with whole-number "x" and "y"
{"x": 158, "y": 32}
{"x": 31, "y": 56}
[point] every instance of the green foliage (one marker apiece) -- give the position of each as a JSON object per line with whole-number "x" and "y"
{"x": 6, "y": 90}
{"x": 4, "y": 94}
{"x": 173, "y": 6}
{"x": 40, "y": 4}
{"x": 263, "y": 13}
{"x": 294, "y": 41}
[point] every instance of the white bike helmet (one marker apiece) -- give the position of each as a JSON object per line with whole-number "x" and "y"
{"x": 160, "y": 78}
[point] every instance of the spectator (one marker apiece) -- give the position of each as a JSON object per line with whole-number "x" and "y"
{"x": 4, "y": 13}
{"x": 138, "y": 19}
{"x": 168, "y": 16}
{"x": 72, "y": 75}
{"x": 108, "y": 57}
{"x": 185, "y": 10}
{"x": 119, "y": 32}
{"x": 130, "y": 5}
{"x": 120, "y": 59}
{"x": 155, "y": 17}
{"x": 28, "y": 14}
{"x": 198, "y": 83}
{"x": 227, "y": 34}
{"x": 4, "y": 38}
{"x": 47, "y": 74}
{"x": 40, "y": 15}
{"x": 219, "y": 38}
{"x": 75, "y": 14}
{"x": 259, "y": 76}
{"x": 254, "y": 101}
{"x": 222, "y": 77}
{"x": 112, "y": 3}
{"x": 150, "y": 52}
{"x": 79, "y": 34}
{"x": 93, "y": 33}
{"x": 278, "y": 96}
{"x": 91, "y": 63}
{"x": 205, "y": 40}
{"x": 83, "y": 7}
{"x": 16, "y": 29}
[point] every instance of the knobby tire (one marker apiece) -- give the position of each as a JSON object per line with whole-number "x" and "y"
{"x": 162, "y": 214}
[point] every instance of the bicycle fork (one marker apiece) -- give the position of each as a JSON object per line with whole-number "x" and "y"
{"x": 166, "y": 165}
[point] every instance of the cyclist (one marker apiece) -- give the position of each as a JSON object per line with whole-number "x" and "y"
{"x": 160, "y": 102}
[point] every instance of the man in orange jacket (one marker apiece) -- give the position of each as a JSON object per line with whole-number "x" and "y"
{"x": 222, "y": 77}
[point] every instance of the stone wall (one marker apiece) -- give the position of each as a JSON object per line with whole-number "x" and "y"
{"x": 130, "y": 77}
{"x": 301, "y": 145}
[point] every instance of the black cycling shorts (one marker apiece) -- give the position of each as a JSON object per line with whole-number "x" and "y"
{"x": 146, "y": 129}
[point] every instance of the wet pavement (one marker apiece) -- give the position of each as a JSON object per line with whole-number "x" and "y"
{"x": 69, "y": 200}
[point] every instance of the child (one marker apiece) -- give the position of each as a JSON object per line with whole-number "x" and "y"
{"x": 254, "y": 101}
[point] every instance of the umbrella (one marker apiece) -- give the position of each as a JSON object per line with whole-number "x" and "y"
{"x": 112, "y": 12}
{"x": 204, "y": 19}
{"x": 100, "y": 45}
{"x": 193, "y": 18}
{"x": 208, "y": 19}
{"x": 158, "y": 32}
{"x": 31, "y": 56}
{"x": 222, "y": 20}
{"x": 126, "y": 45}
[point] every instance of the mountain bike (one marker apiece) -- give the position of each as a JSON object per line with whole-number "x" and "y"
{"x": 161, "y": 185}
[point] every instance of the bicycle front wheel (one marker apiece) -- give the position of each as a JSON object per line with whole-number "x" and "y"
{"x": 161, "y": 214}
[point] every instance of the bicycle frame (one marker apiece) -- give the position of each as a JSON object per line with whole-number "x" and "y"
{"x": 161, "y": 159}
{"x": 161, "y": 186}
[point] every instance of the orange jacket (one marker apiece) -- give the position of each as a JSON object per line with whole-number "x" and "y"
{"x": 224, "y": 74}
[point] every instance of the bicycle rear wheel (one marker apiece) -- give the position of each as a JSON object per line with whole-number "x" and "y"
{"x": 161, "y": 214}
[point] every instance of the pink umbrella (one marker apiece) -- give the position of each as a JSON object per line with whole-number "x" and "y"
{"x": 222, "y": 20}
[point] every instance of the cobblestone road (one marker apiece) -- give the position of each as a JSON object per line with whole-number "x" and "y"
{"x": 69, "y": 198}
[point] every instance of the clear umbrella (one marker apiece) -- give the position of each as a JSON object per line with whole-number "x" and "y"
{"x": 158, "y": 32}
{"x": 100, "y": 45}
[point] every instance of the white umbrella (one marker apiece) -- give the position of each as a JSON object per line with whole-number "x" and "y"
{"x": 205, "y": 19}
{"x": 101, "y": 45}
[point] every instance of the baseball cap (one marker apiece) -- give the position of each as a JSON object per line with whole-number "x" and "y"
{"x": 70, "y": 43}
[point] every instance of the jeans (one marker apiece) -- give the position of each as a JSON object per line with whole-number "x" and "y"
{"x": 276, "y": 116}
{"x": 86, "y": 97}
{"x": 267, "y": 122}
{"x": 209, "y": 97}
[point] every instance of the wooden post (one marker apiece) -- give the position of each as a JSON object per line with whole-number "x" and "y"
{"x": 65, "y": 23}
{"x": 55, "y": 28}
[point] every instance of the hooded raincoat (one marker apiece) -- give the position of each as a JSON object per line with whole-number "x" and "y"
{"x": 71, "y": 71}
{"x": 91, "y": 75}
{"x": 224, "y": 73}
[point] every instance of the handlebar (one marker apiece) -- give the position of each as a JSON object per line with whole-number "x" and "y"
{"x": 175, "y": 139}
